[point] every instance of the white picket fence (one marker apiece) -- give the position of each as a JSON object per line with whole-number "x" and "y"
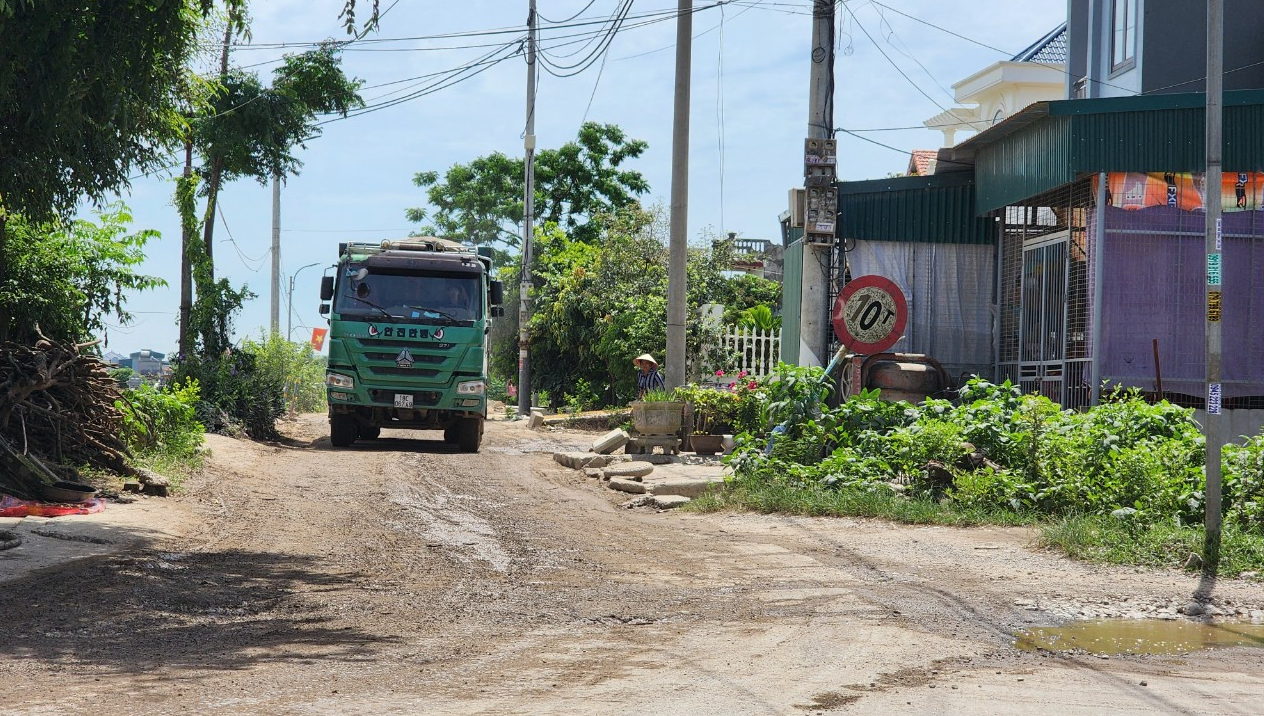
{"x": 754, "y": 351}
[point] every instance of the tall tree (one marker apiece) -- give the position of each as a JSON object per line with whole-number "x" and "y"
{"x": 481, "y": 202}
{"x": 89, "y": 96}
{"x": 249, "y": 130}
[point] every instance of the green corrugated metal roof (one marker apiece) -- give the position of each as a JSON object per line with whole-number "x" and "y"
{"x": 929, "y": 209}
{"x": 791, "y": 301}
{"x": 1049, "y": 144}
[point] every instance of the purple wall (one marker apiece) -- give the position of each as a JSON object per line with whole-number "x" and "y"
{"x": 1154, "y": 287}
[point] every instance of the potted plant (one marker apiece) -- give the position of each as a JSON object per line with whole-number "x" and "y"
{"x": 657, "y": 413}
{"x": 713, "y": 414}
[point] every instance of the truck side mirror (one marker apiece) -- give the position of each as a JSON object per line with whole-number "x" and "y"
{"x": 324, "y": 309}
{"x": 498, "y": 292}
{"x": 498, "y": 311}
{"x": 326, "y": 288}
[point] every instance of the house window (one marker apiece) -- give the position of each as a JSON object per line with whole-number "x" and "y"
{"x": 1123, "y": 34}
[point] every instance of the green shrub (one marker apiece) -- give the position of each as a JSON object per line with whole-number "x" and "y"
{"x": 162, "y": 421}
{"x": 1003, "y": 449}
{"x": 1244, "y": 483}
{"x": 295, "y": 366}
{"x": 237, "y": 397}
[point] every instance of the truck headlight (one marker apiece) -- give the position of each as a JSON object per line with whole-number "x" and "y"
{"x": 470, "y": 387}
{"x": 338, "y": 380}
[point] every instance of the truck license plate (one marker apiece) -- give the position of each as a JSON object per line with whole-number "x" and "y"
{"x": 403, "y": 400}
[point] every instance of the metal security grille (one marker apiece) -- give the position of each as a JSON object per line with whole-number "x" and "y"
{"x": 1042, "y": 336}
{"x": 1043, "y": 332}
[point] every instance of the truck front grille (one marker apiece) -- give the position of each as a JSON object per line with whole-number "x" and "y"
{"x": 411, "y": 372}
{"x": 420, "y": 399}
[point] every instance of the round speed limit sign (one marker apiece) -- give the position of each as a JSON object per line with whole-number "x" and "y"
{"x": 870, "y": 314}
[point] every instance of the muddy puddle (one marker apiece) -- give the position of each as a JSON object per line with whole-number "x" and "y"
{"x": 1141, "y": 636}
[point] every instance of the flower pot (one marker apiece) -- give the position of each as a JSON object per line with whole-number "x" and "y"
{"x": 706, "y": 444}
{"x": 656, "y": 418}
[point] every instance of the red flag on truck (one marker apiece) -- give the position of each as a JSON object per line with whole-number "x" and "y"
{"x": 318, "y": 338}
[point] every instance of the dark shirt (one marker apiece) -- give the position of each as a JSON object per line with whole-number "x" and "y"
{"x": 652, "y": 380}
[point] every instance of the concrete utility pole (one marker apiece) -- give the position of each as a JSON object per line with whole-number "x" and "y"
{"x": 528, "y": 213}
{"x": 276, "y": 254}
{"x": 679, "y": 238}
{"x": 1215, "y": 246}
{"x": 813, "y": 308}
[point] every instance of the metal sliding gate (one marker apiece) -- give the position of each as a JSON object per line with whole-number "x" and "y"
{"x": 1042, "y": 329}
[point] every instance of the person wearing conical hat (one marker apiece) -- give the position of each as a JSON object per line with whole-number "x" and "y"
{"x": 649, "y": 378}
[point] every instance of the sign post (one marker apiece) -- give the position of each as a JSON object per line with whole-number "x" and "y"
{"x": 870, "y": 314}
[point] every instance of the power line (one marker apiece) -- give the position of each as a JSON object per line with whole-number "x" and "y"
{"x": 872, "y": 141}
{"x": 748, "y": 6}
{"x": 517, "y": 29}
{"x": 244, "y": 259}
{"x": 909, "y": 54}
{"x": 572, "y": 17}
{"x": 620, "y": 9}
{"x": 942, "y": 29}
{"x": 603, "y": 43}
{"x": 903, "y": 74}
{"x": 600, "y": 71}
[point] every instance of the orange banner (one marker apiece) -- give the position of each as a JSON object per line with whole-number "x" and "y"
{"x": 1239, "y": 191}
{"x": 318, "y": 338}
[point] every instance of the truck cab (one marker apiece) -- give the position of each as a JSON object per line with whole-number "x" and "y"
{"x": 408, "y": 327}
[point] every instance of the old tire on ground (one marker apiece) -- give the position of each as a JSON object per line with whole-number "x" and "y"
{"x": 342, "y": 430}
{"x": 469, "y": 433}
{"x": 370, "y": 432}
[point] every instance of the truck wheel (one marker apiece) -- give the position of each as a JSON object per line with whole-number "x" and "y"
{"x": 368, "y": 432}
{"x": 449, "y": 434}
{"x": 342, "y": 430}
{"x": 469, "y": 433}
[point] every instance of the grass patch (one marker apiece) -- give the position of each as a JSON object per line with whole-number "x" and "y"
{"x": 1087, "y": 538}
{"x": 768, "y": 498}
{"x": 176, "y": 468}
{"x": 1106, "y": 539}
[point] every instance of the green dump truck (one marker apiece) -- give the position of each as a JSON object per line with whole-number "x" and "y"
{"x": 408, "y": 328}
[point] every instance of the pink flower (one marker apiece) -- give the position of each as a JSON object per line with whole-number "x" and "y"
{"x": 751, "y": 385}
{"x": 719, "y": 372}
{"x": 742, "y": 374}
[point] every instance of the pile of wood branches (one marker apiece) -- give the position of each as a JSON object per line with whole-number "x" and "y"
{"x": 56, "y": 410}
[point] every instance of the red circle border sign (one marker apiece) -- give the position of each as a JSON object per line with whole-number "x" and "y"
{"x": 870, "y": 314}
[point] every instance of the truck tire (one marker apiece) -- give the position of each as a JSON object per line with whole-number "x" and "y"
{"x": 469, "y": 433}
{"x": 370, "y": 432}
{"x": 449, "y": 434}
{"x": 342, "y": 430}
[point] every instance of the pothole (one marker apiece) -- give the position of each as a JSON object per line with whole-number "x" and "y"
{"x": 1106, "y": 637}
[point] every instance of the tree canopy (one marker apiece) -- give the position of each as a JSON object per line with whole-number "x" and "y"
{"x": 482, "y": 202}
{"x": 80, "y": 275}
{"x": 599, "y": 303}
{"x": 89, "y": 95}
{"x": 253, "y": 130}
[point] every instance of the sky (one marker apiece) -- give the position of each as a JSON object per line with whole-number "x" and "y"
{"x": 748, "y": 109}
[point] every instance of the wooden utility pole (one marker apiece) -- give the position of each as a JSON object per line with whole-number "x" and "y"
{"x": 679, "y": 238}
{"x": 528, "y": 214}
{"x": 1215, "y": 246}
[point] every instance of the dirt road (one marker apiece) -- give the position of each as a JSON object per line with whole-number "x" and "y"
{"x": 400, "y": 577}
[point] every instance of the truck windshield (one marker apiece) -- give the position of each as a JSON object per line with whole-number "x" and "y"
{"x": 416, "y": 298}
